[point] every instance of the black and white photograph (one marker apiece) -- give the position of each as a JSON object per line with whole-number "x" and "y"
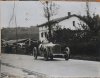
{"x": 50, "y": 39}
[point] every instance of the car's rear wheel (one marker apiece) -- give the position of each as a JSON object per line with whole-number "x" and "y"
{"x": 35, "y": 52}
{"x": 51, "y": 57}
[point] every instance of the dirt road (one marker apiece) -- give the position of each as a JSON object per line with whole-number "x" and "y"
{"x": 56, "y": 68}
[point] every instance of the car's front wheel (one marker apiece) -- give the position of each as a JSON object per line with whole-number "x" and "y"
{"x": 66, "y": 57}
{"x": 67, "y": 53}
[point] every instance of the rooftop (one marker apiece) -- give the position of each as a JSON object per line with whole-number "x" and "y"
{"x": 57, "y": 20}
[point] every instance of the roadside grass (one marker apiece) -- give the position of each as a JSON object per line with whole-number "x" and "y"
{"x": 85, "y": 57}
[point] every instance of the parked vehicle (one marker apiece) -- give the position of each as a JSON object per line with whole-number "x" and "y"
{"x": 50, "y": 50}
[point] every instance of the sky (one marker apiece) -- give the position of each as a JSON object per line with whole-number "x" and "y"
{"x": 30, "y": 13}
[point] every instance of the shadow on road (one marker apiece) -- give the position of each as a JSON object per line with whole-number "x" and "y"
{"x": 55, "y": 59}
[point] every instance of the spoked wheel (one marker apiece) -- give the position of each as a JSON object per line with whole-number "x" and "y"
{"x": 66, "y": 57}
{"x": 35, "y": 52}
{"x": 46, "y": 56}
{"x": 51, "y": 57}
{"x": 67, "y": 53}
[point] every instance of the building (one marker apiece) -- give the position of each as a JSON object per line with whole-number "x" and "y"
{"x": 73, "y": 22}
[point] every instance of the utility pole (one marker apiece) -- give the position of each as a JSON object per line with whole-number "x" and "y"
{"x": 87, "y": 8}
{"x": 13, "y": 17}
{"x": 16, "y": 27}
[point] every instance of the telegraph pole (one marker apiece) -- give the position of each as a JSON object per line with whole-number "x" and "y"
{"x": 13, "y": 17}
{"x": 87, "y": 8}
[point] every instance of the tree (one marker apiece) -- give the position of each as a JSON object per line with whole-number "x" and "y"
{"x": 92, "y": 22}
{"x": 50, "y": 9}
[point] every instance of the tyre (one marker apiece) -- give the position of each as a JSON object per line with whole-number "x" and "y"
{"x": 46, "y": 56}
{"x": 51, "y": 57}
{"x": 35, "y": 52}
{"x": 66, "y": 57}
{"x": 67, "y": 53}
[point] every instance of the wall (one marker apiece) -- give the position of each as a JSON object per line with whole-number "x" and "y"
{"x": 68, "y": 23}
{"x": 43, "y": 30}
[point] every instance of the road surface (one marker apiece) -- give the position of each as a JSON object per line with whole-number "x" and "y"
{"x": 56, "y": 68}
